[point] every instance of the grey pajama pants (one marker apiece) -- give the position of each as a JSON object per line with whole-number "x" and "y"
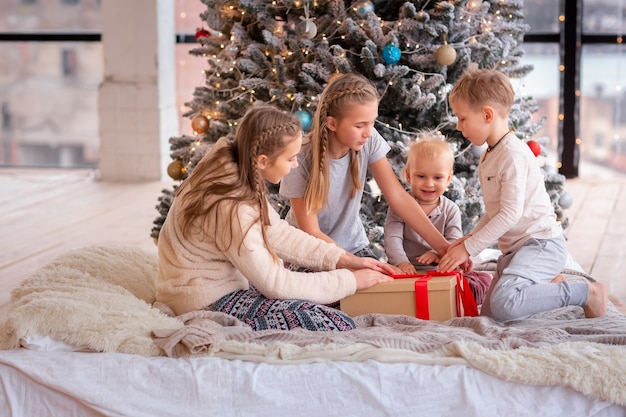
{"x": 521, "y": 284}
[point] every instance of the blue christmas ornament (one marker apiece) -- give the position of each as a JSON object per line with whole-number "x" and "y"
{"x": 363, "y": 8}
{"x": 391, "y": 54}
{"x": 305, "y": 119}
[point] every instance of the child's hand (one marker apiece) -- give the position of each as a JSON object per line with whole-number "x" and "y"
{"x": 467, "y": 266}
{"x": 353, "y": 262}
{"x": 366, "y": 278}
{"x": 458, "y": 242}
{"x": 407, "y": 268}
{"x": 453, "y": 258}
{"x": 428, "y": 258}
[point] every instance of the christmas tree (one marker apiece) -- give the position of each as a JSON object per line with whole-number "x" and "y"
{"x": 284, "y": 52}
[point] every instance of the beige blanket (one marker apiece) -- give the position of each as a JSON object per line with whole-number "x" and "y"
{"x": 204, "y": 329}
{"x": 101, "y": 298}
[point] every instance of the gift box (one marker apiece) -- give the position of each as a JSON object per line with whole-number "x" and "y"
{"x": 424, "y": 296}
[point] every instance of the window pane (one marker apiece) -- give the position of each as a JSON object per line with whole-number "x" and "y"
{"x": 604, "y": 17}
{"x": 48, "y": 103}
{"x": 542, "y": 15}
{"x": 602, "y": 112}
{"x": 542, "y": 84}
{"x": 189, "y": 75}
{"x": 188, "y": 16}
{"x": 189, "y": 68}
{"x": 50, "y": 16}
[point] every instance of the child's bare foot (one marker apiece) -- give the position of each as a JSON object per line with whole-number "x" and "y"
{"x": 597, "y": 300}
{"x": 559, "y": 278}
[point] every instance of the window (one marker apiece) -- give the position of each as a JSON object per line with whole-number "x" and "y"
{"x": 586, "y": 54}
{"x": 49, "y": 84}
{"x": 603, "y": 79}
{"x": 543, "y": 85}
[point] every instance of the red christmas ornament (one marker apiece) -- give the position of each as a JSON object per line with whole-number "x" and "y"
{"x": 200, "y": 32}
{"x": 535, "y": 147}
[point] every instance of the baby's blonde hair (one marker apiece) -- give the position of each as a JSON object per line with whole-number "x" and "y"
{"x": 429, "y": 145}
{"x": 484, "y": 87}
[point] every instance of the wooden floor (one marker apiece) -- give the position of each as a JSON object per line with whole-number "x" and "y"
{"x": 46, "y": 213}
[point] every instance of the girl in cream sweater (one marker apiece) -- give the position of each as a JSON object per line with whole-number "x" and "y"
{"x": 222, "y": 246}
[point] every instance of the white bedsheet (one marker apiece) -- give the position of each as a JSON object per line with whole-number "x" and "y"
{"x": 79, "y": 384}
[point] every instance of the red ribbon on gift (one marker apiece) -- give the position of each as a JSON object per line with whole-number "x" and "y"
{"x": 421, "y": 298}
{"x": 465, "y": 302}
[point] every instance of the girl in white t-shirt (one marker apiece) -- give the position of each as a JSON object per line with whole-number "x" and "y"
{"x": 325, "y": 190}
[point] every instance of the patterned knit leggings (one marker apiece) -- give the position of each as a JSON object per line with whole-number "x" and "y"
{"x": 261, "y": 313}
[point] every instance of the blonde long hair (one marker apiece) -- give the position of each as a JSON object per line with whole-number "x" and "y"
{"x": 230, "y": 175}
{"x": 345, "y": 90}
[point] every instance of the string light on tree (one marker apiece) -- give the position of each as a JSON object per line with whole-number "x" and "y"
{"x": 423, "y": 17}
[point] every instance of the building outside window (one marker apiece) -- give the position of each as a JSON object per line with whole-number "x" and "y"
{"x": 603, "y": 82}
{"x": 49, "y": 89}
{"x": 602, "y": 122}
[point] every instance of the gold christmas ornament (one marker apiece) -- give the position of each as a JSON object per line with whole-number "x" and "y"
{"x": 200, "y": 124}
{"x": 176, "y": 169}
{"x": 445, "y": 55}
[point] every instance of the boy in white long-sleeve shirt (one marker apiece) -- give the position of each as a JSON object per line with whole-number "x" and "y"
{"x": 518, "y": 211}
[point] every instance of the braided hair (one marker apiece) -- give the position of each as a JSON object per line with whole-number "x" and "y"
{"x": 229, "y": 174}
{"x": 345, "y": 90}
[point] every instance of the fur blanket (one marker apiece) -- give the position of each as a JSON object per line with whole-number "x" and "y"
{"x": 101, "y": 298}
{"x": 97, "y": 298}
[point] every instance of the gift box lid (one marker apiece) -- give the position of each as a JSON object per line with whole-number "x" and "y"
{"x": 437, "y": 283}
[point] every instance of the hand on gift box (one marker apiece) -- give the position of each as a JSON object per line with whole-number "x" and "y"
{"x": 428, "y": 258}
{"x": 366, "y": 278}
{"x": 406, "y": 268}
{"x": 455, "y": 256}
{"x": 351, "y": 261}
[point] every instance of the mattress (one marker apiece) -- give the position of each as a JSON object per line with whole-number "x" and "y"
{"x": 81, "y": 384}
{"x": 83, "y": 337}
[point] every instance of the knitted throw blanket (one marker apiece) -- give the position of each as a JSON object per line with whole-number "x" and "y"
{"x": 101, "y": 298}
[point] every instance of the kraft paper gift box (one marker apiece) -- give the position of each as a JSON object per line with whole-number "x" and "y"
{"x": 398, "y": 297}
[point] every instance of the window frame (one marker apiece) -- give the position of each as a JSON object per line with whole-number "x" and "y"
{"x": 571, "y": 40}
